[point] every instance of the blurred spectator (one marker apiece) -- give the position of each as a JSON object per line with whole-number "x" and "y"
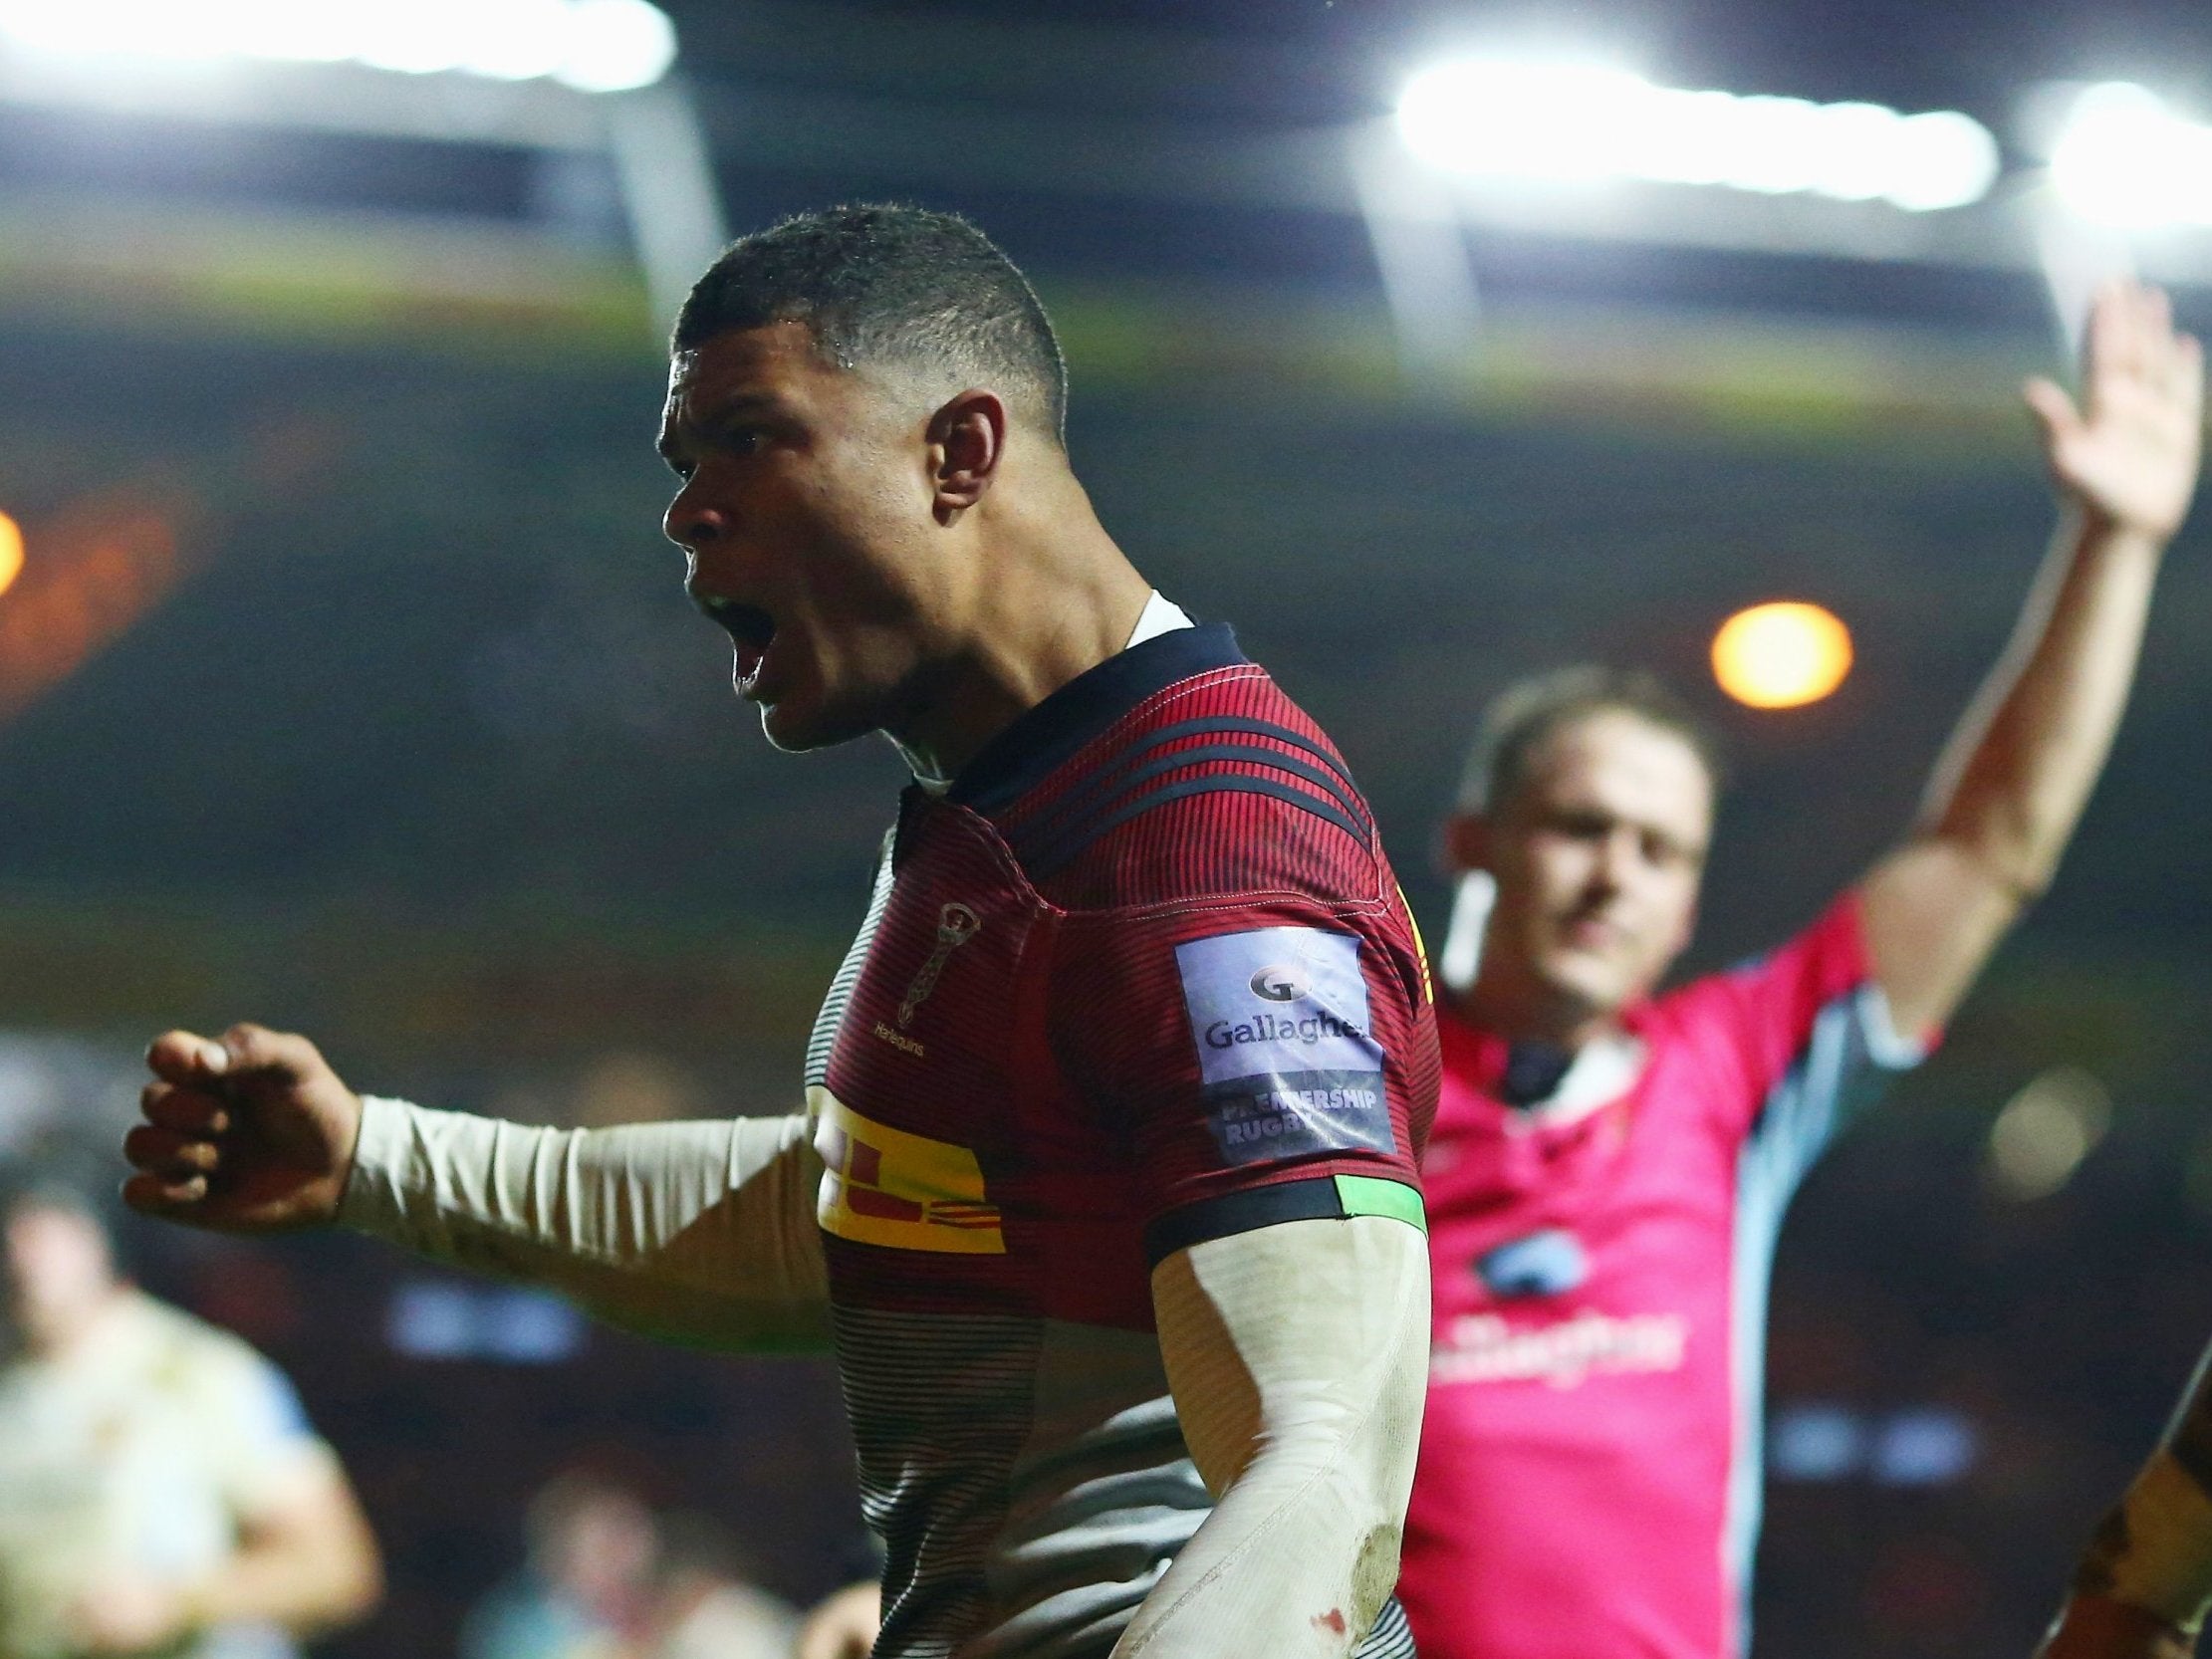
{"x": 587, "y": 1589}
{"x": 843, "y": 1626}
{"x": 160, "y": 1490}
{"x": 2144, "y": 1584}
{"x": 707, "y": 1604}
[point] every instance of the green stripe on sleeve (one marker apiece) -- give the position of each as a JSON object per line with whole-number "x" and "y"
{"x": 1370, "y": 1195}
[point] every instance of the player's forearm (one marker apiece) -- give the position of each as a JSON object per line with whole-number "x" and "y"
{"x": 700, "y": 1232}
{"x": 1298, "y": 1356}
{"x": 306, "y": 1579}
{"x": 2018, "y": 772}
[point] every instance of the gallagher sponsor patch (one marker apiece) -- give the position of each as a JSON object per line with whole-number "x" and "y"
{"x": 1279, "y": 1016}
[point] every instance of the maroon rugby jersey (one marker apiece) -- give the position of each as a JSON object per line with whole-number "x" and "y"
{"x": 1141, "y": 979}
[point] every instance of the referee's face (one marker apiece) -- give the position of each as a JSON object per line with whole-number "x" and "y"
{"x": 1598, "y": 858}
{"x": 804, "y": 514}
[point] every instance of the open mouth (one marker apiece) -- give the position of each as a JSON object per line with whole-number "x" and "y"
{"x": 751, "y": 629}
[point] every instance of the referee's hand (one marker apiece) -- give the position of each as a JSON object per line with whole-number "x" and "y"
{"x": 253, "y": 1133}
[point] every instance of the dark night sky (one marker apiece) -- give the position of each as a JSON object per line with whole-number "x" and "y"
{"x": 1973, "y": 53}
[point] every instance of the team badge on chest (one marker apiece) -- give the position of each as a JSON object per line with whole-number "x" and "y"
{"x": 956, "y": 925}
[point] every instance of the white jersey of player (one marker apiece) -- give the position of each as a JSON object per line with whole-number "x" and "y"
{"x": 139, "y": 1453}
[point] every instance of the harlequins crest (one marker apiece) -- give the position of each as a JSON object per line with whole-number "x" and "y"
{"x": 956, "y": 925}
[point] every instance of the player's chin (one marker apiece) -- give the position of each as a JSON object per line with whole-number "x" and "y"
{"x": 798, "y": 722}
{"x": 1594, "y": 982}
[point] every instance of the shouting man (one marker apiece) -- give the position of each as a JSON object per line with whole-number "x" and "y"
{"x": 1106, "y": 1167}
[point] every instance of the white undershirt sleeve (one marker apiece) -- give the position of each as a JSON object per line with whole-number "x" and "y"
{"x": 703, "y": 1232}
{"x": 1298, "y": 1356}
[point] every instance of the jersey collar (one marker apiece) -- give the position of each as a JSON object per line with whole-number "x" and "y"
{"x": 1527, "y": 1076}
{"x": 1042, "y": 739}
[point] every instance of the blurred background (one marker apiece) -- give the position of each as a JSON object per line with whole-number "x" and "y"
{"x": 347, "y": 684}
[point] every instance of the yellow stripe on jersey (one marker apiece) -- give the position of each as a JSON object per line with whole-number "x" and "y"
{"x": 884, "y": 1186}
{"x": 1420, "y": 950}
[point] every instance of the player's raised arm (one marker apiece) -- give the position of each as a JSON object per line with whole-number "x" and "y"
{"x": 2144, "y": 1583}
{"x": 2016, "y": 775}
{"x": 701, "y": 1231}
{"x": 1298, "y": 1356}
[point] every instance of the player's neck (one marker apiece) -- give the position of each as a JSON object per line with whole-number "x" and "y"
{"x": 1061, "y": 597}
{"x": 1527, "y": 1013}
{"x": 58, "y": 1336}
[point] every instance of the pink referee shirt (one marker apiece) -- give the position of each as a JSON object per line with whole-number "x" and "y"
{"x": 1589, "y": 1473}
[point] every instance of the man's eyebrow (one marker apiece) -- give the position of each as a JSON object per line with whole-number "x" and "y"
{"x": 735, "y": 403}
{"x": 715, "y": 413}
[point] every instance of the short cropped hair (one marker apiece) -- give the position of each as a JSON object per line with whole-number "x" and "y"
{"x": 1525, "y": 715}
{"x": 64, "y": 1184}
{"x": 877, "y": 282}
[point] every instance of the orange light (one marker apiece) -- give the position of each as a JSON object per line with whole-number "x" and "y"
{"x": 11, "y": 552}
{"x": 1781, "y": 655}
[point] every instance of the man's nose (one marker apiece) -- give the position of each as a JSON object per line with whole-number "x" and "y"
{"x": 1616, "y": 857}
{"x": 692, "y": 524}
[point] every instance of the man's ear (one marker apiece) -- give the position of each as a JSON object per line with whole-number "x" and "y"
{"x": 967, "y": 440}
{"x": 1465, "y": 844}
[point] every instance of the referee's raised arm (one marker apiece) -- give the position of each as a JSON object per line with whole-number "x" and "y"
{"x": 2016, "y": 775}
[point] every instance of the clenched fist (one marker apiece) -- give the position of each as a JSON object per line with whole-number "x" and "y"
{"x": 253, "y": 1133}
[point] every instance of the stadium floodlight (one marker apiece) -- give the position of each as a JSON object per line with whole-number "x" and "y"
{"x": 2124, "y": 158}
{"x": 1781, "y": 655}
{"x": 595, "y": 46}
{"x": 1499, "y": 119}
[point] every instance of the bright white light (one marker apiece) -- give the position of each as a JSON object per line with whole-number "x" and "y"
{"x": 616, "y": 44}
{"x": 516, "y": 39}
{"x": 1944, "y": 160}
{"x": 1778, "y": 145}
{"x": 414, "y": 37}
{"x": 1542, "y": 121}
{"x": 290, "y": 32}
{"x": 1499, "y": 119}
{"x": 43, "y": 25}
{"x": 163, "y": 31}
{"x": 1694, "y": 141}
{"x": 594, "y": 45}
{"x": 1855, "y": 150}
{"x": 2124, "y": 158}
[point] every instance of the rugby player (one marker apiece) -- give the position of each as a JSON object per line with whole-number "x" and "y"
{"x": 1104, "y": 1186}
{"x": 161, "y": 1492}
{"x": 1609, "y": 1168}
{"x": 2144, "y": 1583}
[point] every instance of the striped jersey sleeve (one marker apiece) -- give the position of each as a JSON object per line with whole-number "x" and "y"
{"x": 1261, "y": 1056}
